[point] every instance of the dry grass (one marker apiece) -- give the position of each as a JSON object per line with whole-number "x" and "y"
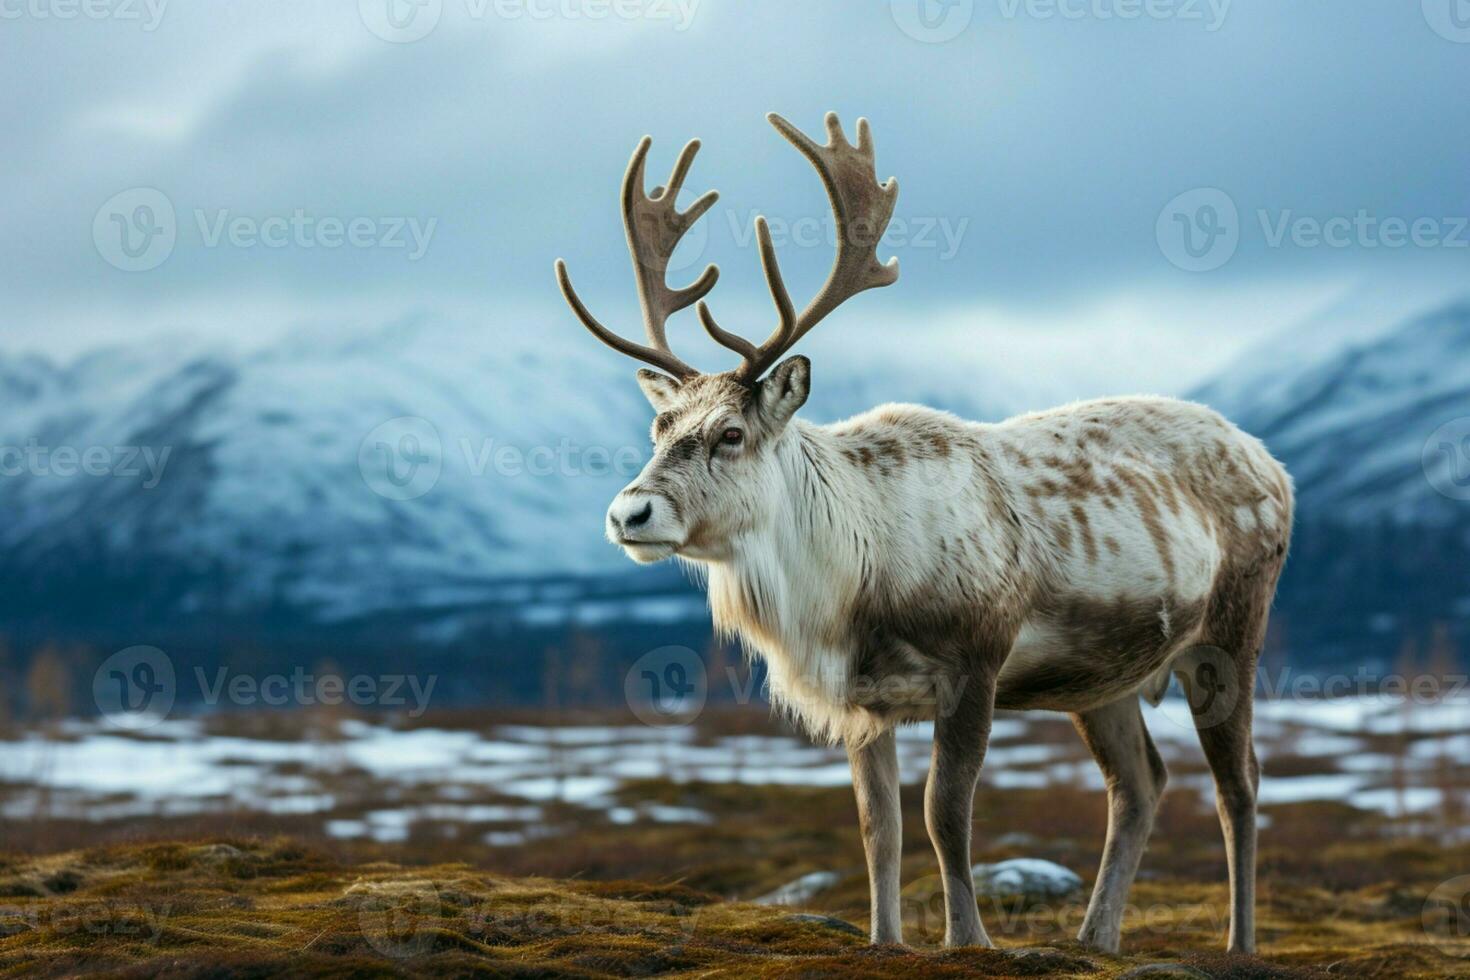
{"x": 256, "y": 908}
{"x": 1343, "y": 891}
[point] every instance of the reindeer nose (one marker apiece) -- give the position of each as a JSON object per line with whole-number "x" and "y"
{"x": 627, "y": 513}
{"x": 641, "y": 518}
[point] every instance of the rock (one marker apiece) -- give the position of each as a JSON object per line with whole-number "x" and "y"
{"x": 415, "y": 893}
{"x": 1163, "y": 971}
{"x": 800, "y": 891}
{"x": 1028, "y": 881}
{"x": 825, "y": 921}
{"x": 1015, "y": 839}
{"x": 216, "y": 853}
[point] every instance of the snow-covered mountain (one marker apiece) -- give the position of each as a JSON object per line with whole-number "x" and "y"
{"x": 1373, "y": 422}
{"x": 1360, "y": 417}
{"x": 344, "y": 473}
{"x": 425, "y": 469}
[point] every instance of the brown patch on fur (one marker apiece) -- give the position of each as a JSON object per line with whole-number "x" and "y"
{"x": 1089, "y": 546}
{"x": 1062, "y": 531}
{"x": 1016, "y": 455}
{"x": 891, "y": 450}
{"x": 1116, "y": 646}
{"x": 1149, "y": 511}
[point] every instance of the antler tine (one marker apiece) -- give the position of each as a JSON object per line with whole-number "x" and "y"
{"x": 861, "y": 208}
{"x": 653, "y": 226}
{"x": 786, "y": 312}
{"x": 664, "y": 360}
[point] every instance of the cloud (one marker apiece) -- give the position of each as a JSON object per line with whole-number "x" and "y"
{"x": 1035, "y": 153}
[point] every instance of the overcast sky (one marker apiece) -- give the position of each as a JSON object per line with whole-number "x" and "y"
{"x": 351, "y": 162}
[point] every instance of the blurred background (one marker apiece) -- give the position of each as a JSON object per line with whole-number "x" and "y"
{"x": 303, "y": 462}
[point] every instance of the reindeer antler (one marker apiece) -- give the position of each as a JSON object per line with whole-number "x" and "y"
{"x": 654, "y": 226}
{"x": 862, "y": 208}
{"x": 860, "y": 205}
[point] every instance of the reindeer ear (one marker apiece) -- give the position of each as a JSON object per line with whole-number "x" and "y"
{"x": 784, "y": 390}
{"x": 660, "y": 389}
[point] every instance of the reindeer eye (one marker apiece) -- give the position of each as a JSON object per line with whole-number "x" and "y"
{"x": 731, "y": 437}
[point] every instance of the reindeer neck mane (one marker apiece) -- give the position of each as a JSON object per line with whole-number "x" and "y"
{"x": 790, "y": 581}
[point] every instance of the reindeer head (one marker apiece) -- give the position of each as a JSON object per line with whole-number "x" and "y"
{"x": 715, "y": 470}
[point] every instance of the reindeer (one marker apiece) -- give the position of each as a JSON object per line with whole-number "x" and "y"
{"x": 1067, "y": 560}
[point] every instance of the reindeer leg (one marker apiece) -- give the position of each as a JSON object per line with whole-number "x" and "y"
{"x": 875, "y": 781}
{"x": 960, "y": 738}
{"x": 1232, "y": 758}
{"x": 1135, "y": 776}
